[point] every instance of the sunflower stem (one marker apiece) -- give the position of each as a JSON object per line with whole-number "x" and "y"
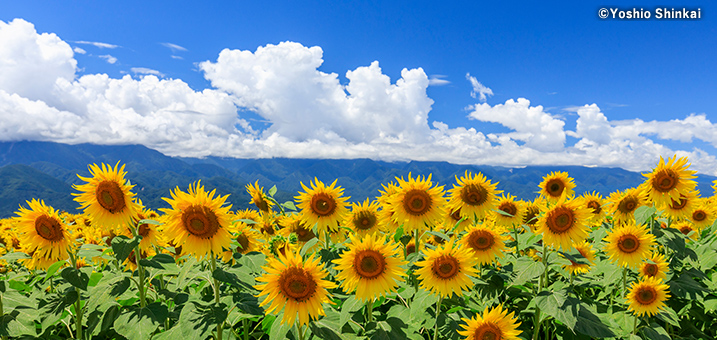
{"x": 545, "y": 264}
{"x": 536, "y": 324}
{"x": 213, "y": 266}
{"x": 369, "y": 310}
{"x": 415, "y": 233}
{"x": 2, "y": 314}
{"x": 438, "y": 311}
{"x": 245, "y": 323}
{"x": 624, "y": 282}
{"x": 300, "y": 330}
{"x": 634, "y": 326}
{"x": 78, "y": 303}
{"x": 517, "y": 247}
{"x": 140, "y": 269}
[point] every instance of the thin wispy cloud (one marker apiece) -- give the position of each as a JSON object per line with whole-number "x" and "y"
{"x": 144, "y": 70}
{"x": 97, "y": 44}
{"x": 173, "y": 47}
{"x": 437, "y": 80}
{"x": 108, "y": 58}
{"x": 79, "y": 50}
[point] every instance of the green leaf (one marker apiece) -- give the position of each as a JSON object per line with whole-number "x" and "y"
{"x": 147, "y": 263}
{"x": 439, "y": 234}
{"x": 107, "y": 290}
{"x": 289, "y": 205}
{"x": 140, "y": 323}
{"x": 75, "y": 277}
{"x": 502, "y": 212}
{"x": 199, "y": 320}
{"x": 350, "y": 305}
{"x": 230, "y": 278}
{"x": 527, "y": 270}
{"x": 310, "y": 243}
{"x": 253, "y": 261}
{"x": 52, "y": 269}
{"x": 643, "y": 214}
{"x": 590, "y": 325}
{"x": 14, "y": 256}
{"x": 245, "y": 220}
{"x": 686, "y": 287}
{"x": 272, "y": 191}
{"x": 668, "y": 315}
{"x": 559, "y": 306}
{"x": 656, "y": 332}
{"x": 19, "y": 316}
{"x": 278, "y": 329}
{"x": 398, "y": 234}
{"x": 123, "y": 246}
{"x": 89, "y": 251}
{"x": 149, "y": 221}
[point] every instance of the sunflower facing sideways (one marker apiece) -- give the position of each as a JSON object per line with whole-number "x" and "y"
{"x": 446, "y": 270}
{"x": 474, "y": 196}
{"x": 371, "y": 267}
{"x": 669, "y": 180}
{"x": 197, "y": 221}
{"x": 43, "y": 234}
{"x": 417, "y": 203}
{"x": 555, "y": 185}
{"x": 106, "y": 197}
{"x": 647, "y": 296}
{"x": 564, "y": 223}
{"x": 323, "y": 206}
{"x": 258, "y": 197}
{"x": 496, "y": 324}
{"x": 629, "y": 244}
{"x": 298, "y": 287}
{"x": 682, "y": 207}
{"x": 586, "y": 250}
{"x": 485, "y": 241}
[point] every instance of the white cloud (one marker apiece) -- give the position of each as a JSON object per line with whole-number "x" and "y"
{"x": 144, "y": 70}
{"x": 97, "y": 44}
{"x": 176, "y": 57}
{"x": 108, "y": 58}
{"x": 437, "y": 80}
{"x": 79, "y": 50}
{"x": 173, "y": 47}
{"x": 478, "y": 89}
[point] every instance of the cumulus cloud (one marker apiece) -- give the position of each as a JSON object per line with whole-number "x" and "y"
{"x": 109, "y": 59}
{"x": 311, "y": 114}
{"x": 97, "y": 44}
{"x": 479, "y": 89}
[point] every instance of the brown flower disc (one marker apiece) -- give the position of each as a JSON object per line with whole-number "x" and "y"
{"x": 323, "y": 204}
{"x": 488, "y": 331}
{"x": 110, "y": 196}
{"x": 48, "y": 228}
{"x": 364, "y": 220}
{"x": 200, "y": 221}
{"x": 369, "y": 264}
{"x": 646, "y": 295}
{"x": 417, "y": 202}
{"x": 628, "y": 243}
{"x": 508, "y": 208}
{"x": 481, "y": 240}
{"x": 297, "y": 284}
{"x": 560, "y": 220}
{"x": 473, "y": 194}
{"x": 555, "y": 187}
{"x": 665, "y": 180}
{"x": 445, "y": 267}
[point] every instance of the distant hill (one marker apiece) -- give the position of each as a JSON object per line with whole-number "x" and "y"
{"x": 47, "y": 171}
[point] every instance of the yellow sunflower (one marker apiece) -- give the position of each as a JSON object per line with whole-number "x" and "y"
{"x": 148, "y": 231}
{"x": 681, "y": 207}
{"x": 485, "y": 241}
{"x": 555, "y": 185}
{"x": 247, "y": 239}
{"x": 703, "y": 215}
{"x": 106, "y": 197}
{"x": 41, "y": 232}
{"x": 258, "y": 197}
{"x": 513, "y": 211}
{"x": 323, "y": 206}
{"x": 647, "y": 296}
{"x": 586, "y": 250}
{"x": 564, "y": 223}
{"x": 686, "y": 228}
{"x": 622, "y": 205}
{"x": 532, "y": 212}
{"x": 451, "y": 217}
{"x": 417, "y": 203}
{"x": 669, "y": 180}
{"x": 298, "y": 287}
{"x": 371, "y": 266}
{"x": 473, "y": 197}
{"x": 295, "y": 225}
{"x": 629, "y": 244}
{"x": 198, "y": 221}
{"x": 595, "y": 202}
{"x": 446, "y": 270}
{"x": 364, "y": 218}
{"x": 657, "y": 267}
{"x": 384, "y": 212}
{"x": 496, "y": 323}
{"x": 279, "y": 245}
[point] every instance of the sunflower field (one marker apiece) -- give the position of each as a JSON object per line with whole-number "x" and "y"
{"x": 421, "y": 261}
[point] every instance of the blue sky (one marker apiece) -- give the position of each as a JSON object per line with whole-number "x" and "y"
{"x": 481, "y": 83}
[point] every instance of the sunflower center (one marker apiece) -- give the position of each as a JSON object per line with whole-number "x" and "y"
{"x": 445, "y": 267}
{"x": 675, "y": 205}
{"x": 297, "y": 284}
{"x": 685, "y": 230}
{"x": 488, "y": 331}
{"x": 369, "y": 264}
{"x": 627, "y": 205}
{"x": 323, "y": 204}
{"x": 268, "y": 229}
{"x": 364, "y": 220}
{"x": 456, "y": 215}
{"x": 595, "y": 206}
{"x": 560, "y": 220}
{"x": 646, "y": 295}
{"x": 651, "y": 269}
{"x": 555, "y": 187}
{"x": 48, "y": 228}
{"x": 699, "y": 216}
{"x": 261, "y": 203}
{"x": 665, "y": 180}
{"x": 143, "y": 230}
{"x": 410, "y": 248}
{"x": 303, "y": 234}
{"x": 473, "y": 194}
{"x": 110, "y": 196}
{"x": 508, "y": 208}
{"x": 243, "y": 243}
{"x": 481, "y": 240}
{"x": 530, "y": 215}
{"x": 200, "y": 221}
{"x": 417, "y": 202}
{"x": 628, "y": 243}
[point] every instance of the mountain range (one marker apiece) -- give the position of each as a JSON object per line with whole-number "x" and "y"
{"x": 46, "y": 170}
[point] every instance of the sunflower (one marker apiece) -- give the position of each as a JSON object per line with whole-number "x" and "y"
{"x": 485, "y": 241}
{"x": 682, "y": 207}
{"x": 511, "y": 211}
{"x": 647, "y": 296}
{"x": 279, "y": 245}
{"x": 703, "y": 214}
{"x": 687, "y": 229}
{"x": 532, "y": 212}
{"x": 587, "y": 252}
{"x": 656, "y": 267}
{"x": 595, "y": 202}
{"x": 198, "y": 221}
{"x": 384, "y": 212}
{"x": 298, "y": 287}
{"x": 322, "y": 206}
{"x": 371, "y": 267}
{"x": 364, "y": 218}
{"x": 106, "y": 197}
{"x": 454, "y": 221}
{"x": 258, "y": 197}
{"x": 629, "y": 244}
{"x": 296, "y": 226}
{"x": 555, "y": 185}
{"x": 564, "y": 223}
{"x": 669, "y": 180}
{"x": 148, "y": 231}
{"x": 247, "y": 241}
{"x": 446, "y": 269}
{"x": 42, "y": 233}
{"x": 494, "y": 324}
{"x": 417, "y": 203}
{"x": 623, "y": 204}
{"x": 473, "y": 197}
